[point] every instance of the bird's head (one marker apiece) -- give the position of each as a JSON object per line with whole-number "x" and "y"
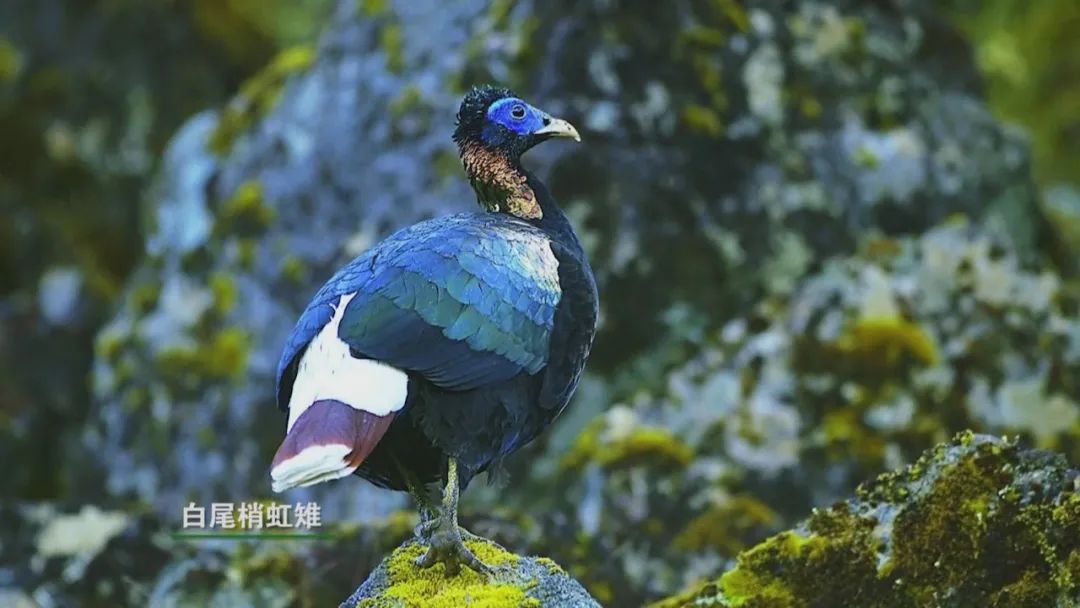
{"x": 502, "y": 122}
{"x": 494, "y": 128}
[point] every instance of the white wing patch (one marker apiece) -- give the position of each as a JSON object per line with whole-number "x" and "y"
{"x": 328, "y": 371}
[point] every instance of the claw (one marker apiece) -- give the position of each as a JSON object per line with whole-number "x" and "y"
{"x": 446, "y": 544}
{"x": 445, "y": 539}
{"x": 426, "y": 528}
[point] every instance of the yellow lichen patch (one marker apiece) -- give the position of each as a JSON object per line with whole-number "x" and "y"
{"x": 10, "y": 61}
{"x": 749, "y": 581}
{"x": 705, "y": 594}
{"x": 410, "y": 586}
{"x": 880, "y": 248}
{"x": 845, "y": 433}
{"x": 653, "y": 446}
{"x": 1067, "y": 515}
{"x": 391, "y": 40}
{"x": 936, "y": 529}
{"x": 726, "y": 527}
{"x": 735, "y": 13}
{"x": 642, "y": 445}
{"x": 584, "y": 448}
{"x": 293, "y": 268}
{"x": 225, "y": 293}
{"x": 246, "y": 211}
{"x": 258, "y": 96}
{"x": 701, "y": 119}
{"x": 373, "y": 8}
{"x": 885, "y": 341}
{"x": 941, "y": 535}
{"x": 704, "y": 36}
{"x": 143, "y": 297}
{"x": 552, "y": 567}
{"x": 810, "y": 107}
{"x": 224, "y": 357}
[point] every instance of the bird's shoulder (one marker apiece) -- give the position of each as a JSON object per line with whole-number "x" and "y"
{"x": 487, "y": 277}
{"x": 497, "y": 239}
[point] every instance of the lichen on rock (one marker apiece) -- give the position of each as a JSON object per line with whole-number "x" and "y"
{"x": 978, "y": 521}
{"x": 519, "y": 582}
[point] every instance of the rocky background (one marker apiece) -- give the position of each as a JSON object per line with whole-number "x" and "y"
{"x": 828, "y": 236}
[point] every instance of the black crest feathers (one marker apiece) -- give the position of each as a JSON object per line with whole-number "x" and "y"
{"x": 473, "y": 109}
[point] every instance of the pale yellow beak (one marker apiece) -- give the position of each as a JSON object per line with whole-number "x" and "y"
{"x": 559, "y": 128}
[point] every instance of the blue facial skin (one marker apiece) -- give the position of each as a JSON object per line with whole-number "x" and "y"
{"x": 512, "y": 119}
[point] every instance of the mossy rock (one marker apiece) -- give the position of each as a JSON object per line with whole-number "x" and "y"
{"x": 533, "y": 582}
{"x": 975, "y": 522}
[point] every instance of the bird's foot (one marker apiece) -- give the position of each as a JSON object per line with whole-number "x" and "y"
{"x": 446, "y": 544}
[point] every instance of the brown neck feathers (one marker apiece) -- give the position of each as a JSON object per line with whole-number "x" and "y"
{"x": 499, "y": 185}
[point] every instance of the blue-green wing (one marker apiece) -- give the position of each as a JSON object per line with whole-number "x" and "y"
{"x": 465, "y": 301}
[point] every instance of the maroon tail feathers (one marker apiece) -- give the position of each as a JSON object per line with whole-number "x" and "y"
{"x": 328, "y": 441}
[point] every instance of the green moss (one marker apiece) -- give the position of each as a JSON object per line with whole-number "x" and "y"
{"x": 943, "y": 534}
{"x": 246, "y": 248}
{"x": 224, "y": 289}
{"x": 726, "y": 527}
{"x": 735, "y": 13}
{"x": 294, "y": 269}
{"x": 143, "y": 297}
{"x": 109, "y": 344}
{"x": 643, "y": 446}
{"x": 845, "y": 431}
{"x": 10, "y": 61}
{"x": 223, "y": 358}
{"x": 749, "y": 580}
{"x": 373, "y": 8}
{"x": 246, "y": 211}
{"x": 411, "y": 586}
{"x": 552, "y": 567}
{"x": 704, "y": 36}
{"x": 407, "y": 101}
{"x": 652, "y": 446}
{"x": 865, "y": 158}
{"x": 977, "y": 519}
{"x": 886, "y": 342}
{"x": 258, "y": 96}
{"x": 701, "y": 119}
{"x": 499, "y": 12}
{"x": 136, "y": 399}
{"x": 392, "y": 44}
{"x": 827, "y": 563}
{"x": 810, "y": 108}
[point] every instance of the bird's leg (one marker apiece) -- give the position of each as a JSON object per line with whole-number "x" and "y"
{"x": 427, "y": 509}
{"x": 443, "y": 536}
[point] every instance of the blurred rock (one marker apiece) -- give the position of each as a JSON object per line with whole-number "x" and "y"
{"x": 872, "y": 358}
{"x": 818, "y": 254}
{"x": 978, "y": 521}
{"x": 91, "y": 557}
{"x": 520, "y": 582}
{"x": 87, "y": 103}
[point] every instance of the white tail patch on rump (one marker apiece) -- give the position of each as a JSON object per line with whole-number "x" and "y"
{"x": 339, "y": 410}
{"x": 328, "y": 371}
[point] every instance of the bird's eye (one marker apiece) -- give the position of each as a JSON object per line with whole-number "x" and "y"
{"x": 517, "y": 112}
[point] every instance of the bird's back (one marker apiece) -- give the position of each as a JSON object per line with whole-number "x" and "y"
{"x": 467, "y": 307}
